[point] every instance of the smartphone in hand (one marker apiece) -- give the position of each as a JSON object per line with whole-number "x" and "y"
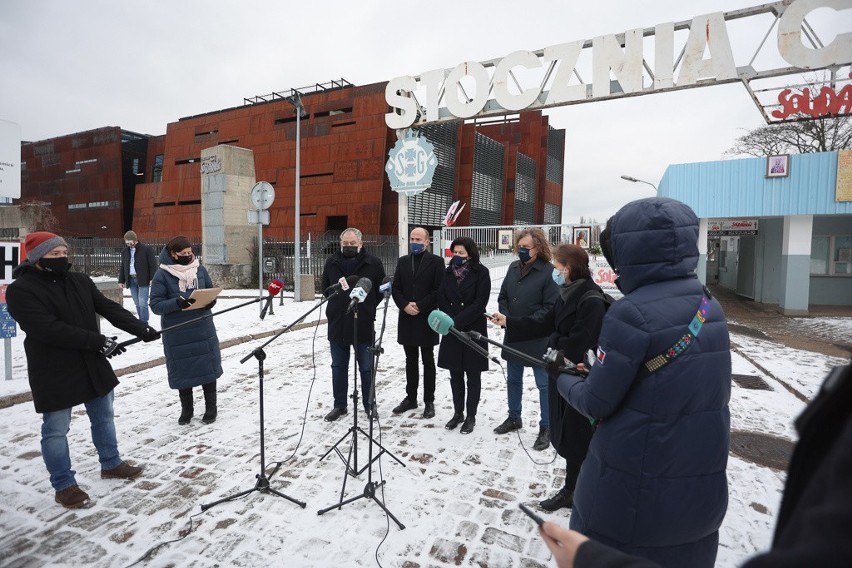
{"x": 531, "y": 514}
{"x": 488, "y": 316}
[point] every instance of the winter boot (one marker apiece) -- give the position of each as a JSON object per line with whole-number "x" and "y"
{"x": 186, "y": 406}
{"x": 209, "y": 403}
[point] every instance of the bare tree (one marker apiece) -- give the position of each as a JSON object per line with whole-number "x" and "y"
{"x": 820, "y": 135}
{"x": 37, "y": 216}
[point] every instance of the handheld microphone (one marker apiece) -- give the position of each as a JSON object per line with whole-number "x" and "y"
{"x": 275, "y": 286}
{"x": 387, "y": 286}
{"x": 359, "y": 292}
{"x": 343, "y": 284}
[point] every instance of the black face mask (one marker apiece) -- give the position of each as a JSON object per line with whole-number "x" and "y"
{"x": 349, "y": 251}
{"x": 58, "y": 266}
{"x": 184, "y": 260}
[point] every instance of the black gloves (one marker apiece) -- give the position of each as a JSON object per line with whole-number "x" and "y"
{"x": 210, "y": 305}
{"x": 184, "y": 303}
{"x": 111, "y": 347}
{"x": 554, "y": 364}
{"x": 149, "y": 334}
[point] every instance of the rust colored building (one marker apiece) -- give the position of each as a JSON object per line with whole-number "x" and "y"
{"x": 88, "y": 179}
{"x": 508, "y": 171}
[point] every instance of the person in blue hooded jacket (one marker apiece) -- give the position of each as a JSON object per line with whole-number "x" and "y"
{"x": 192, "y": 352}
{"x": 654, "y": 482}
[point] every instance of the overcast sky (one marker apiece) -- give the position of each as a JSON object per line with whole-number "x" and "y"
{"x": 73, "y": 66}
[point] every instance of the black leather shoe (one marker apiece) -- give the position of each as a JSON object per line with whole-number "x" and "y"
{"x": 454, "y": 421}
{"x": 406, "y": 404}
{"x": 563, "y": 499}
{"x": 468, "y": 425}
{"x": 429, "y": 411}
{"x": 335, "y": 414}
{"x": 543, "y": 440}
{"x": 509, "y": 425}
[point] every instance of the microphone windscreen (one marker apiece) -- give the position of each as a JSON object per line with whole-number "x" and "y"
{"x": 365, "y": 284}
{"x": 386, "y": 284}
{"x": 352, "y": 281}
{"x": 440, "y": 322}
{"x": 275, "y": 286}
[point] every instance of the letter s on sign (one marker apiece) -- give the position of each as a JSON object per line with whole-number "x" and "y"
{"x": 403, "y": 107}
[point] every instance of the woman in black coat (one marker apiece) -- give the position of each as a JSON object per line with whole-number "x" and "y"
{"x": 574, "y": 324}
{"x": 464, "y": 295}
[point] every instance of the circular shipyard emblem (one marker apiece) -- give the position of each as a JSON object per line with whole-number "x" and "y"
{"x": 411, "y": 164}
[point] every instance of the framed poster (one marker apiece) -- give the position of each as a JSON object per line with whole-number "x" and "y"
{"x": 778, "y": 166}
{"x": 504, "y": 239}
{"x": 580, "y": 236}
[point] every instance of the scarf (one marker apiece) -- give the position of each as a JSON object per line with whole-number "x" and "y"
{"x": 460, "y": 273}
{"x": 569, "y": 288}
{"x": 187, "y": 275}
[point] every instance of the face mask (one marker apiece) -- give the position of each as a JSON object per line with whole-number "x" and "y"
{"x": 558, "y": 277}
{"x": 184, "y": 260}
{"x": 58, "y": 265}
{"x": 349, "y": 251}
{"x": 416, "y": 248}
{"x": 524, "y": 254}
{"x": 458, "y": 261}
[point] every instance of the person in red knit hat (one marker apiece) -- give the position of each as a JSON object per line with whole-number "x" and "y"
{"x": 67, "y": 358}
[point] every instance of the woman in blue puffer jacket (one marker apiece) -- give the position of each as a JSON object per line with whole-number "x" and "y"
{"x": 654, "y": 483}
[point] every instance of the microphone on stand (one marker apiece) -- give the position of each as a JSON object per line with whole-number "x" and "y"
{"x": 442, "y": 323}
{"x": 387, "y": 287}
{"x": 343, "y": 284}
{"x": 359, "y": 292}
{"x": 275, "y": 286}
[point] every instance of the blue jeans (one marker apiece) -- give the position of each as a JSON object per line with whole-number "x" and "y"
{"x": 340, "y": 371}
{"x": 54, "y": 440}
{"x": 140, "y": 297}
{"x": 515, "y": 388}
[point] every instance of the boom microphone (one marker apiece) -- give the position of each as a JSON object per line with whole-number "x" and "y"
{"x": 359, "y": 292}
{"x": 442, "y": 323}
{"x": 275, "y": 286}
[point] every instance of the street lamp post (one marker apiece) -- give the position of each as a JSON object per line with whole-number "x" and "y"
{"x": 634, "y": 180}
{"x": 296, "y": 100}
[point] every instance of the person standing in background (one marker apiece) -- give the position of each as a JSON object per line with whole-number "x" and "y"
{"x": 416, "y": 282}
{"x": 528, "y": 290}
{"x": 138, "y": 265}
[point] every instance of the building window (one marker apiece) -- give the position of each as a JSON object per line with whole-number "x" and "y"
{"x": 831, "y": 256}
{"x": 77, "y": 205}
{"x": 157, "y": 172}
{"x": 92, "y": 161}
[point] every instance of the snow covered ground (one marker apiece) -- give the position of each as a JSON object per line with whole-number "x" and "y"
{"x": 456, "y": 495}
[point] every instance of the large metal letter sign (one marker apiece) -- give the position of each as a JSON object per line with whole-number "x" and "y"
{"x": 619, "y": 68}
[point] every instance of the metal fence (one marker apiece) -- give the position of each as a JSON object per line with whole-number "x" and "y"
{"x": 100, "y": 257}
{"x": 497, "y": 243}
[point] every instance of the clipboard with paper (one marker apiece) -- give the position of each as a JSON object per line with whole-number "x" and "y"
{"x": 203, "y": 297}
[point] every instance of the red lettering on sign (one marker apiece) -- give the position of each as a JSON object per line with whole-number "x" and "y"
{"x": 826, "y": 103}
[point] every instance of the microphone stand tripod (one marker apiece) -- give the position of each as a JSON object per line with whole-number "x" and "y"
{"x": 371, "y": 486}
{"x": 262, "y": 484}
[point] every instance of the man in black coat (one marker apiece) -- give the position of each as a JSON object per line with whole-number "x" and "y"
{"x": 415, "y": 292}
{"x": 816, "y": 509}
{"x": 351, "y": 260}
{"x": 67, "y": 358}
{"x": 138, "y": 265}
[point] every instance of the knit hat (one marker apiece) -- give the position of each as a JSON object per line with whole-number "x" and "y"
{"x": 40, "y": 243}
{"x": 130, "y": 236}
